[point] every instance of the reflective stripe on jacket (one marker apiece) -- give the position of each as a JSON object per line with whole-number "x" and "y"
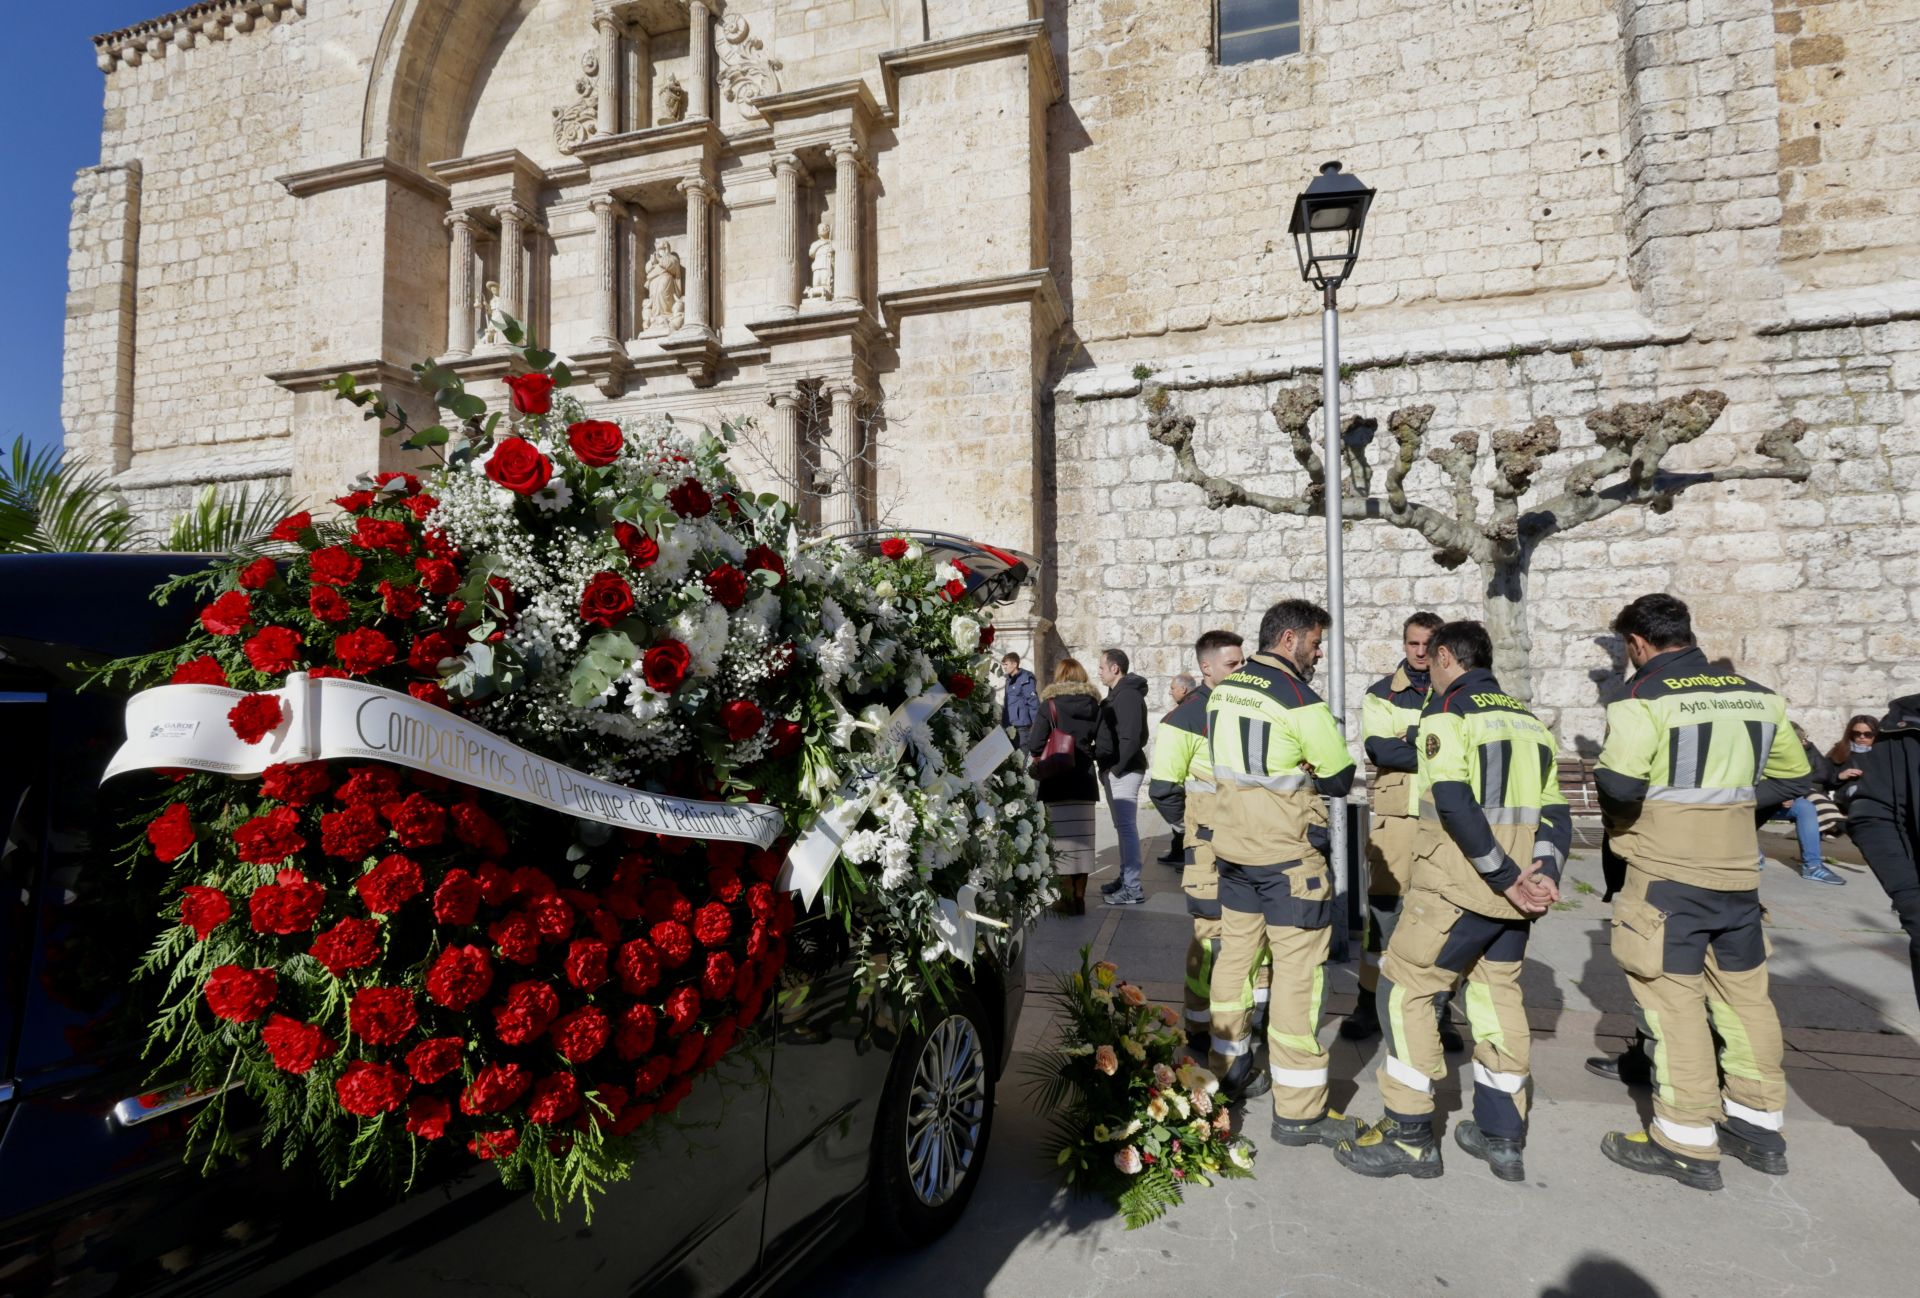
{"x": 1389, "y": 713}
{"x": 1276, "y": 751}
{"x": 1180, "y": 778}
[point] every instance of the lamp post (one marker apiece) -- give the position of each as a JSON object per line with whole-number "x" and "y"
{"x": 1328, "y": 218}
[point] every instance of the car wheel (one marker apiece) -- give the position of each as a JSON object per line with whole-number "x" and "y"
{"x": 930, "y": 1140}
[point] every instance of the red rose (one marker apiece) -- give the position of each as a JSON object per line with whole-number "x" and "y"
{"x": 690, "y": 500}
{"x": 289, "y": 528}
{"x": 427, "y": 1116}
{"x": 742, "y": 719}
{"x": 554, "y": 1098}
{"x": 204, "y": 909}
{"x": 489, "y": 1145}
{"x": 665, "y": 666}
{"x": 683, "y": 1008}
{"x": 960, "y": 685}
{"x": 673, "y": 942}
{"x": 353, "y": 834}
{"x": 474, "y": 827}
{"x": 204, "y": 670}
{"x": 712, "y": 924}
{"x": 401, "y": 601}
{"x": 437, "y": 576}
{"x": 227, "y": 615}
{"x": 581, "y": 1035}
{"x": 288, "y": 905}
{"x": 518, "y": 465}
{"x": 390, "y": 884}
{"x": 255, "y": 717}
{"x": 295, "y": 1046}
{"x": 728, "y": 586}
{"x": 459, "y": 977}
{"x": 171, "y": 833}
{"x": 894, "y": 547}
{"x": 638, "y": 1023}
{"x": 334, "y": 566}
{"x": 495, "y": 1088}
{"x": 369, "y": 1090}
{"x": 429, "y": 651}
{"x": 642, "y": 551}
{"x": 587, "y": 963}
{"x": 354, "y": 501}
{"x": 786, "y": 736}
{"x": 295, "y": 783}
{"x": 516, "y": 937}
{"x": 638, "y": 966}
{"x": 382, "y": 534}
{"x": 363, "y": 651}
{"x": 986, "y": 635}
{"x": 595, "y": 442}
{"x": 434, "y": 1058}
{"x": 240, "y": 995}
{"x": 457, "y": 900}
{"x": 606, "y": 599}
{"x": 351, "y": 944}
{"x": 269, "y": 839}
{"x": 258, "y": 573}
{"x": 529, "y": 1010}
{"x": 369, "y": 784}
{"x": 275, "y": 651}
{"x": 762, "y": 558}
{"x": 716, "y": 980}
{"x": 417, "y": 820}
{"x": 532, "y": 393}
{"x": 382, "y": 1015}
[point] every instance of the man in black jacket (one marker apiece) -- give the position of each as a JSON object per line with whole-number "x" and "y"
{"x": 1120, "y": 750}
{"x": 1884, "y": 817}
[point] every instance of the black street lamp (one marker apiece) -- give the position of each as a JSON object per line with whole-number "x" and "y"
{"x": 1328, "y": 218}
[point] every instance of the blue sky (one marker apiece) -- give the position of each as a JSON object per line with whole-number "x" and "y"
{"x": 50, "y": 94}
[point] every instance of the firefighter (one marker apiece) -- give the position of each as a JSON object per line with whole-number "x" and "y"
{"x": 1493, "y": 836}
{"x": 1389, "y": 715}
{"x": 1180, "y": 782}
{"x": 1276, "y": 751}
{"x": 1690, "y": 749}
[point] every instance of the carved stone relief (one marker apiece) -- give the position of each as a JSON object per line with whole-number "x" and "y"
{"x": 664, "y": 309}
{"x": 746, "y": 71}
{"x": 822, "y": 253}
{"x": 576, "y": 123}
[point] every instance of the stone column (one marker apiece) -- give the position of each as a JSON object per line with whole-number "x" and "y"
{"x": 514, "y": 220}
{"x": 634, "y": 231}
{"x": 103, "y": 265}
{"x": 639, "y": 78}
{"x": 846, "y": 223}
{"x": 699, "y": 192}
{"x": 793, "y": 246}
{"x": 843, "y": 458}
{"x": 607, "y": 211}
{"x": 610, "y": 76}
{"x": 700, "y": 51}
{"x": 783, "y": 447}
{"x": 460, "y": 285}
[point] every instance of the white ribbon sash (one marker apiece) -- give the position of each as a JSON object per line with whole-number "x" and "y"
{"x": 333, "y": 718}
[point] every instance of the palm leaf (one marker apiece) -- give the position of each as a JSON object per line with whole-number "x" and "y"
{"x": 49, "y": 505}
{"x": 227, "y": 519}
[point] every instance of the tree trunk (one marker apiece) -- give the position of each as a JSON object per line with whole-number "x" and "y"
{"x": 1505, "y": 584}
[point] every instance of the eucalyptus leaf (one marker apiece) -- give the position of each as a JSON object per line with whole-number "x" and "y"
{"x": 467, "y": 406}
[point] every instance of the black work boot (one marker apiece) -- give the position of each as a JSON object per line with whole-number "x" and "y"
{"x": 1497, "y": 1152}
{"x": 1388, "y": 1148}
{"x": 1637, "y": 1152}
{"x": 1330, "y": 1131}
{"x": 1629, "y": 1067}
{"x": 1246, "y": 1079}
{"x": 1364, "y": 1022}
{"x": 1761, "y": 1158}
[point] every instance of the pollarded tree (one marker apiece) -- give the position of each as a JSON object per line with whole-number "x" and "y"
{"x": 1624, "y": 469}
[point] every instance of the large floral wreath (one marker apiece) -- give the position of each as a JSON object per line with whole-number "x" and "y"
{"x": 381, "y": 957}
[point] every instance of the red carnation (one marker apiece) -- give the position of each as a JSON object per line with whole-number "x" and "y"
{"x": 489, "y": 1145}
{"x": 642, "y": 551}
{"x": 716, "y": 980}
{"x": 516, "y": 937}
{"x": 390, "y": 884}
{"x": 457, "y": 900}
{"x": 255, "y": 717}
{"x": 334, "y": 566}
{"x": 275, "y": 651}
{"x": 240, "y": 995}
{"x": 606, "y": 599}
{"x": 595, "y": 442}
{"x": 382, "y": 1015}
{"x": 960, "y": 685}
{"x": 554, "y": 1098}
{"x": 429, "y": 651}
{"x": 363, "y": 651}
{"x": 295, "y": 1046}
{"x": 712, "y": 924}
{"x": 581, "y": 1035}
{"x": 690, "y": 500}
{"x": 638, "y": 966}
{"x": 429, "y": 692}
{"x": 496, "y": 885}
{"x": 427, "y": 1116}
{"x": 741, "y": 719}
{"x": 687, "y": 1053}
{"x": 204, "y": 909}
{"x": 369, "y": 784}
{"x": 353, "y": 834}
{"x": 763, "y": 558}
{"x": 552, "y": 918}
{"x": 683, "y": 1008}
{"x": 638, "y": 1023}
{"x": 437, "y": 576}
{"x": 587, "y": 963}
{"x": 459, "y": 977}
{"x": 725, "y": 884}
{"x": 289, "y": 528}
{"x": 894, "y": 547}
{"x": 532, "y": 393}
{"x": 518, "y": 465}
{"x": 258, "y": 573}
{"x": 409, "y": 483}
{"x": 434, "y": 1058}
{"x": 295, "y": 783}
{"x": 401, "y": 601}
{"x": 529, "y": 1009}
{"x": 673, "y": 942}
{"x": 785, "y": 737}
{"x": 495, "y": 1088}
{"x": 417, "y": 820}
{"x": 369, "y": 1090}
{"x": 665, "y": 666}
{"x": 351, "y": 944}
{"x": 478, "y": 830}
{"x": 204, "y": 670}
{"x": 664, "y": 901}
{"x": 227, "y": 615}
{"x": 728, "y": 586}
{"x": 354, "y": 501}
{"x": 269, "y": 839}
{"x": 288, "y": 905}
{"x": 381, "y": 534}
{"x": 171, "y": 833}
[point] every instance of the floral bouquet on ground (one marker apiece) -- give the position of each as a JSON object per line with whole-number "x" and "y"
{"x": 1133, "y": 1122}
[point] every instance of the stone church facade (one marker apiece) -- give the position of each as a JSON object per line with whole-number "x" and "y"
{"x": 940, "y": 242}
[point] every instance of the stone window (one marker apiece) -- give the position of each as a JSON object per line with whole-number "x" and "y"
{"x": 1246, "y": 30}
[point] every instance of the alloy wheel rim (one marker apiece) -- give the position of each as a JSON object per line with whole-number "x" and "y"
{"x": 945, "y": 1110}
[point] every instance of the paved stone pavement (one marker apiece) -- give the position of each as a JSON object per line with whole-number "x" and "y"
{"x": 1846, "y": 1221}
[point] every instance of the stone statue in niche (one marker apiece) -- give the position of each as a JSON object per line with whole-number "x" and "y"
{"x": 821, "y": 251}
{"x": 673, "y": 102}
{"x": 487, "y": 332}
{"x": 576, "y": 123}
{"x": 665, "y": 308}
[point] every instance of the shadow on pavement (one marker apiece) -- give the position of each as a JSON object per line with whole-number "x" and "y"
{"x": 1602, "y": 1277}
